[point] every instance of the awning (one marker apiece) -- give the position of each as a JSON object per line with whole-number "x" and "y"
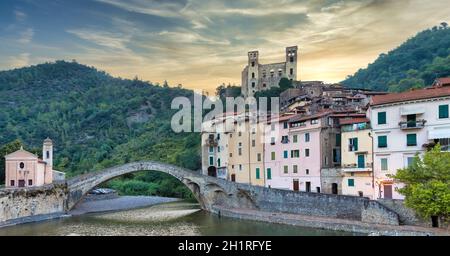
{"x": 439, "y": 133}
{"x": 404, "y": 111}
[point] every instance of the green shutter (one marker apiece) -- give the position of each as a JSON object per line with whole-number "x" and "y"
{"x": 381, "y": 117}
{"x": 443, "y": 111}
{"x": 351, "y": 182}
{"x": 269, "y": 173}
{"x": 211, "y": 160}
{"x": 338, "y": 140}
{"x": 411, "y": 140}
{"x": 355, "y": 141}
{"x": 361, "y": 161}
{"x": 257, "y": 174}
{"x": 285, "y": 153}
{"x": 382, "y": 141}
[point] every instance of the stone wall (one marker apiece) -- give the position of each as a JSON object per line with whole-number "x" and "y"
{"x": 31, "y": 204}
{"x": 407, "y": 216}
{"x": 311, "y": 204}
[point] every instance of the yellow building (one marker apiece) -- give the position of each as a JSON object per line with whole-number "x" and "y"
{"x": 357, "y": 157}
{"x": 246, "y": 152}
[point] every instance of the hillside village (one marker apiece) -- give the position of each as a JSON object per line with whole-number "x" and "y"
{"x": 327, "y": 138}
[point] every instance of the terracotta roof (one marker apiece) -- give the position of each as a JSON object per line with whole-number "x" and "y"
{"x": 443, "y": 80}
{"x": 353, "y": 121}
{"x": 410, "y": 95}
{"x": 299, "y": 118}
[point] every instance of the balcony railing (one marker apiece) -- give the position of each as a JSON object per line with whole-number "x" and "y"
{"x": 405, "y": 125}
{"x": 366, "y": 165}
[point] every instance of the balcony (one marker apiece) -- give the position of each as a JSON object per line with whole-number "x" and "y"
{"x": 408, "y": 125}
{"x": 212, "y": 142}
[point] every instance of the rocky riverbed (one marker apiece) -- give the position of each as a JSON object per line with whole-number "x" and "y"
{"x": 92, "y": 205}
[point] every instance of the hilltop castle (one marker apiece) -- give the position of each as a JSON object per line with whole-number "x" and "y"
{"x": 258, "y": 77}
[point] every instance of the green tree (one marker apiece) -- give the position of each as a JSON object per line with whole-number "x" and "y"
{"x": 5, "y": 150}
{"x": 427, "y": 184}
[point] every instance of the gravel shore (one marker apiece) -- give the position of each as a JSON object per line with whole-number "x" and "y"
{"x": 119, "y": 204}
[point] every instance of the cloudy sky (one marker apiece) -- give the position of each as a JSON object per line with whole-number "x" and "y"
{"x": 203, "y": 43}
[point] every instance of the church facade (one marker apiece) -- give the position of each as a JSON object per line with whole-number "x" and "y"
{"x": 25, "y": 169}
{"x": 259, "y": 77}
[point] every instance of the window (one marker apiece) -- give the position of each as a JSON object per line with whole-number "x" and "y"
{"x": 253, "y": 84}
{"x": 22, "y": 165}
{"x": 307, "y": 137}
{"x": 240, "y": 151}
{"x": 307, "y": 152}
{"x": 231, "y": 154}
{"x": 307, "y": 171}
{"x": 384, "y": 164}
{"x": 253, "y": 75}
{"x": 285, "y": 154}
{"x": 295, "y": 169}
{"x": 361, "y": 161}
{"x": 273, "y": 156}
{"x": 211, "y": 149}
{"x": 231, "y": 135}
{"x": 336, "y": 155}
{"x": 315, "y": 121}
{"x": 338, "y": 140}
{"x": 295, "y": 153}
{"x": 218, "y": 136}
{"x": 12, "y": 183}
{"x": 211, "y": 160}
{"x": 443, "y": 111}
{"x": 353, "y": 144}
{"x": 253, "y": 143}
{"x": 280, "y": 73}
{"x": 286, "y": 169}
{"x": 291, "y": 71}
{"x": 240, "y": 167}
{"x": 218, "y": 162}
{"x": 411, "y": 139}
{"x": 272, "y": 127}
{"x": 382, "y": 141}
{"x": 30, "y": 182}
{"x": 285, "y": 125}
{"x": 295, "y": 138}
{"x": 47, "y": 153}
{"x": 351, "y": 182}
{"x": 381, "y": 117}
{"x": 264, "y": 84}
{"x": 239, "y": 134}
{"x": 291, "y": 59}
{"x": 326, "y": 160}
{"x": 259, "y": 157}
{"x": 409, "y": 161}
{"x": 257, "y": 174}
{"x": 285, "y": 139}
{"x": 269, "y": 173}
{"x": 253, "y": 63}
{"x": 272, "y": 140}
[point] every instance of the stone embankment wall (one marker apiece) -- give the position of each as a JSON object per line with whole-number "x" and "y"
{"x": 407, "y": 216}
{"x": 313, "y": 204}
{"x": 32, "y": 204}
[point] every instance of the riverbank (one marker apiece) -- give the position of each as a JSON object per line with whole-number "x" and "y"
{"x": 98, "y": 204}
{"x": 330, "y": 223}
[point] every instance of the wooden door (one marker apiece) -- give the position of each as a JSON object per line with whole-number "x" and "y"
{"x": 388, "y": 191}
{"x": 21, "y": 183}
{"x": 233, "y": 177}
{"x": 308, "y": 186}
{"x": 334, "y": 188}
{"x": 296, "y": 185}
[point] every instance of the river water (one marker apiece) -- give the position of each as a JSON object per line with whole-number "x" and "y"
{"x": 176, "y": 218}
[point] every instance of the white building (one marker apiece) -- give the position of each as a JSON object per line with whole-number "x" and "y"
{"x": 405, "y": 124}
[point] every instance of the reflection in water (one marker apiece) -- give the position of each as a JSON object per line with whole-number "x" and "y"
{"x": 178, "y": 218}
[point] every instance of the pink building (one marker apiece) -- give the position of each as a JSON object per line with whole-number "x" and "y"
{"x": 25, "y": 169}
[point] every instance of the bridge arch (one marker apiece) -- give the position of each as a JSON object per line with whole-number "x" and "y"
{"x": 78, "y": 187}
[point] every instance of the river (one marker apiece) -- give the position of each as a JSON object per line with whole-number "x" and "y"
{"x": 175, "y": 218}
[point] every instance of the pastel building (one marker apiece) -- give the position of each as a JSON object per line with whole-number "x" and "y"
{"x": 405, "y": 124}
{"x": 281, "y": 154}
{"x": 357, "y": 168}
{"x": 246, "y": 151}
{"x": 25, "y": 169}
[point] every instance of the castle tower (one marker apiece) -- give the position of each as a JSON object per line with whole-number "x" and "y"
{"x": 291, "y": 62}
{"x": 253, "y": 74}
{"x": 47, "y": 152}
